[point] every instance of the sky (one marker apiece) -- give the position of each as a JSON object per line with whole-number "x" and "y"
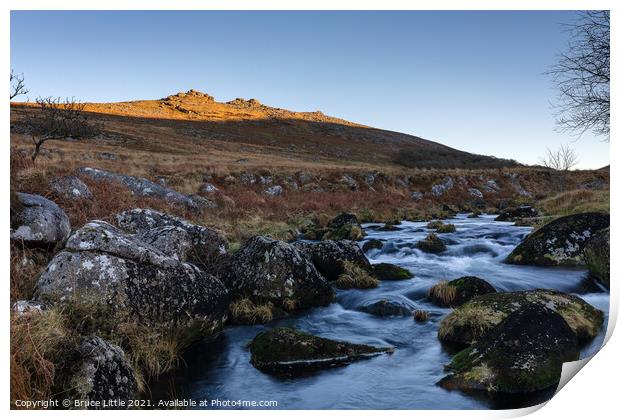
{"x": 471, "y": 80}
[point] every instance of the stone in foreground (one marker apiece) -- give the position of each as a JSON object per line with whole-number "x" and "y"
{"x": 289, "y": 352}
{"x": 37, "y": 221}
{"x": 102, "y": 374}
{"x": 561, "y": 242}
{"x": 269, "y": 270}
{"x": 471, "y": 321}
{"x": 106, "y": 267}
{"x": 521, "y": 355}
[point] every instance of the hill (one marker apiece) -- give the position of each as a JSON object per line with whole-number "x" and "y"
{"x": 248, "y": 132}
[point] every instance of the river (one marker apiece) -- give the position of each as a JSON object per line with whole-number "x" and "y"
{"x": 405, "y": 379}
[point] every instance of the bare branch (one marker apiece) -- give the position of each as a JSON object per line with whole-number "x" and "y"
{"x": 55, "y": 119}
{"x": 582, "y": 76}
{"x": 18, "y": 87}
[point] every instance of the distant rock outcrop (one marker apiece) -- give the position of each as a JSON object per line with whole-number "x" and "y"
{"x": 145, "y": 188}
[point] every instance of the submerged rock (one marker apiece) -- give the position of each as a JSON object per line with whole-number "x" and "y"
{"x": 289, "y": 352}
{"x": 102, "y": 266}
{"x": 561, "y": 242}
{"x": 329, "y": 257}
{"x": 70, "y": 187}
{"x": 145, "y": 188}
{"x": 457, "y": 292}
{"x": 37, "y": 221}
{"x": 471, "y": 321}
{"x": 372, "y": 244}
{"x": 522, "y": 354}
{"x": 102, "y": 373}
{"x": 387, "y": 271}
{"x": 431, "y": 244}
{"x": 174, "y": 236}
{"x": 596, "y": 256}
{"x": 521, "y": 212}
{"x": 277, "y": 272}
{"x": 388, "y": 306}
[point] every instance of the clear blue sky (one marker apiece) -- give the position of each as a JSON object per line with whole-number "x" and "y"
{"x": 471, "y": 80}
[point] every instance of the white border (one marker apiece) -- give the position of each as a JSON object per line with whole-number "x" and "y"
{"x": 593, "y": 395}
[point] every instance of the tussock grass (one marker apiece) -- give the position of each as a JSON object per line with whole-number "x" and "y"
{"x": 576, "y": 201}
{"x": 354, "y": 277}
{"x": 246, "y": 312}
{"x": 38, "y": 343}
{"x": 446, "y": 228}
{"x": 435, "y": 224}
{"x": 443, "y": 292}
{"x": 476, "y": 319}
{"x": 420, "y": 315}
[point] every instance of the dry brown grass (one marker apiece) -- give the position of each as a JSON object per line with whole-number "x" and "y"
{"x": 38, "y": 342}
{"x": 354, "y": 277}
{"x": 420, "y": 315}
{"x": 246, "y": 312}
{"x": 443, "y": 292}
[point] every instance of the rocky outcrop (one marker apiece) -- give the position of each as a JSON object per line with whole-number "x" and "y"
{"x": 596, "y": 255}
{"x": 388, "y": 306}
{"x": 289, "y": 352}
{"x": 102, "y": 373}
{"x": 37, "y": 221}
{"x": 103, "y": 266}
{"x": 70, "y": 187}
{"x": 142, "y": 187}
{"x": 387, "y": 271}
{"x": 561, "y": 242}
{"x": 471, "y": 321}
{"x": 432, "y": 244}
{"x": 522, "y": 354}
{"x": 329, "y": 257}
{"x": 269, "y": 270}
{"x": 208, "y": 188}
{"x": 458, "y": 291}
{"x": 514, "y": 214}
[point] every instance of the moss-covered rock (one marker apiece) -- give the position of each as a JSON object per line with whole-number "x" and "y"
{"x": 431, "y": 244}
{"x": 344, "y": 226}
{"x": 435, "y": 224}
{"x": 372, "y": 244}
{"x": 446, "y": 228}
{"x": 596, "y": 255}
{"x": 269, "y": 270}
{"x": 329, "y": 257}
{"x": 289, "y": 352}
{"x": 559, "y": 243}
{"x": 471, "y": 321}
{"x": 523, "y": 354}
{"x": 457, "y": 292}
{"x": 386, "y": 271}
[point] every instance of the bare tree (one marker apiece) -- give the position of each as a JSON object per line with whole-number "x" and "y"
{"x": 55, "y": 119}
{"x": 561, "y": 160}
{"x": 582, "y": 76}
{"x": 18, "y": 87}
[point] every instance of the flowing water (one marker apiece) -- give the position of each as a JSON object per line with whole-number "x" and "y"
{"x": 405, "y": 379}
